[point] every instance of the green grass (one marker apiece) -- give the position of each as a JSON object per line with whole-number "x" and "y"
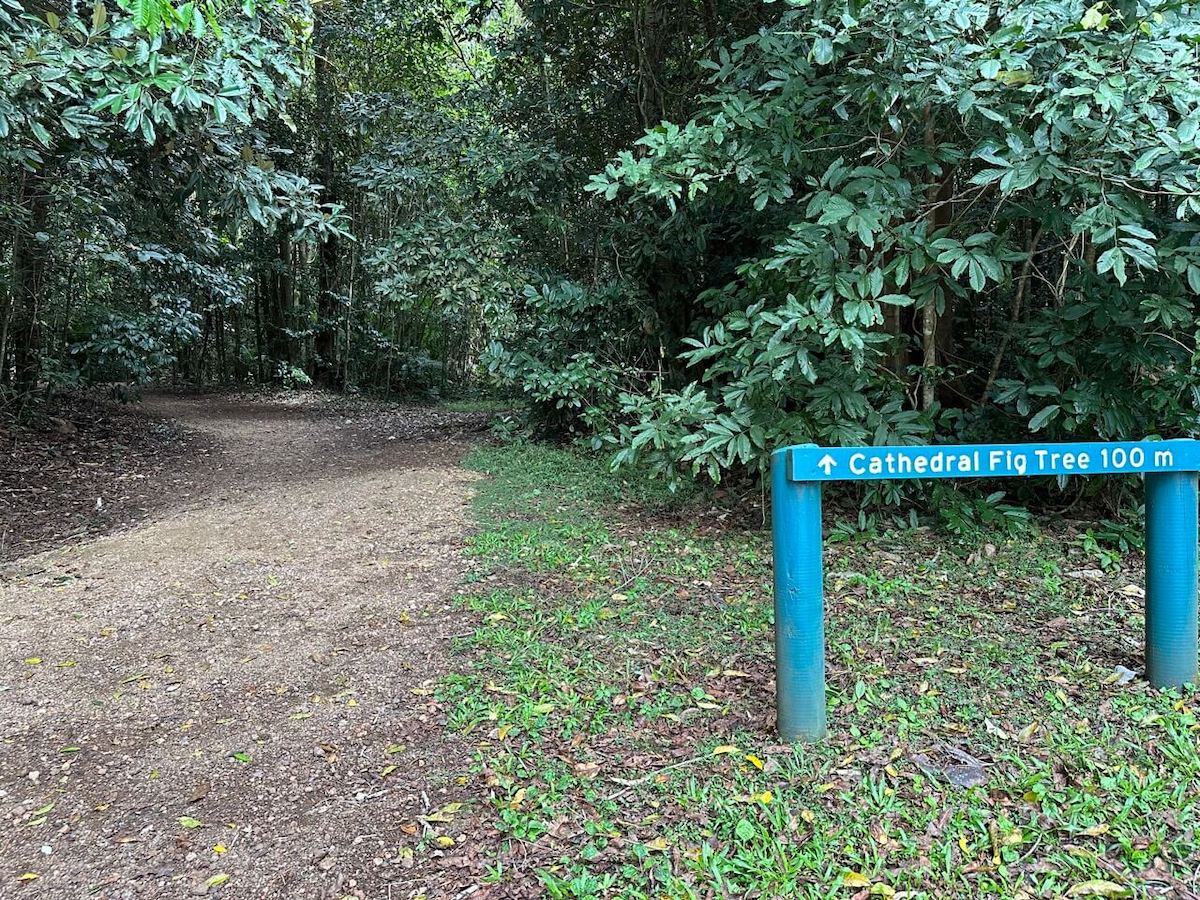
{"x": 618, "y": 686}
{"x": 476, "y": 405}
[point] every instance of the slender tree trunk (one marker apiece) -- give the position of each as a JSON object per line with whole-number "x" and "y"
{"x": 7, "y": 305}
{"x": 281, "y": 345}
{"x": 222, "y": 359}
{"x": 239, "y": 370}
{"x": 30, "y": 262}
{"x": 202, "y": 360}
{"x": 1014, "y": 313}
{"x": 935, "y": 336}
{"x": 259, "y": 346}
{"x": 325, "y": 363}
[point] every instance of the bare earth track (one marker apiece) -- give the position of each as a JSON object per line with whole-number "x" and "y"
{"x": 233, "y": 698}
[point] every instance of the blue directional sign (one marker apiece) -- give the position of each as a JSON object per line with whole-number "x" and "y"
{"x": 1172, "y": 470}
{"x": 991, "y": 460}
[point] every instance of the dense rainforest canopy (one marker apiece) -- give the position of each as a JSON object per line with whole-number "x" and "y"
{"x": 685, "y": 231}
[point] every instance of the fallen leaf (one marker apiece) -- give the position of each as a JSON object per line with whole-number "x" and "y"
{"x": 445, "y": 814}
{"x": 754, "y": 761}
{"x": 725, "y": 748}
{"x": 217, "y": 880}
{"x": 190, "y": 822}
{"x": 1099, "y": 888}
{"x": 855, "y": 880}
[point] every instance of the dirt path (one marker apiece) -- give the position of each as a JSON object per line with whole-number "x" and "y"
{"x": 259, "y": 662}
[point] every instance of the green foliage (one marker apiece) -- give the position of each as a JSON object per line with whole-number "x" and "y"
{"x": 1027, "y": 179}
{"x": 135, "y": 348}
{"x": 133, "y": 159}
{"x": 562, "y": 353}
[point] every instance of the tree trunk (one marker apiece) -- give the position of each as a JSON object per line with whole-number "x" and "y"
{"x": 935, "y": 335}
{"x": 30, "y": 262}
{"x": 1014, "y": 313}
{"x": 279, "y": 301}
{"x": 325, "y": 363}
{"x": 6, "y": 307}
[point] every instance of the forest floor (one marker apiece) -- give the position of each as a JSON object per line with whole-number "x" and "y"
{"x": 231, "y": 693}
{"x": 343, "y": 664}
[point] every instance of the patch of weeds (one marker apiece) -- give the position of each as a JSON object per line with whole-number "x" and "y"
{"x": 618, "y": 686}
{"x": 477, "y": 405}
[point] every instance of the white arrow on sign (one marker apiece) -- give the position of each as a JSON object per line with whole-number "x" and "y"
{"x": 827, "y": 463}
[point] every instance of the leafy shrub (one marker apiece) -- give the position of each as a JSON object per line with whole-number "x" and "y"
{"x": 135, "y": 347}
{"x": 564, "y": 353}
{"x": 974, "y": 220}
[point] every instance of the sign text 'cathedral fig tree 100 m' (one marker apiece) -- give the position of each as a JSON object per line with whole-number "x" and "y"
{"x": 991, "y": 460}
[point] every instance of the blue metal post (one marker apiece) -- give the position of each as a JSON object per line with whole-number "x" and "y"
{"x": 799, "y": 604}
{"x": 1171, "y": 539}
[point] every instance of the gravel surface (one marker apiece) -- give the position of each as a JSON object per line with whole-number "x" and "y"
{"x": 233, "y": 698}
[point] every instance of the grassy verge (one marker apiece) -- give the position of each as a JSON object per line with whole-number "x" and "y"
{"x": 619, "y": 687}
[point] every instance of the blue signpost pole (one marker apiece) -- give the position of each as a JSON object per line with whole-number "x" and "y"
{"x": 799, "y": 604}
{"x": 1171, "y": 561}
